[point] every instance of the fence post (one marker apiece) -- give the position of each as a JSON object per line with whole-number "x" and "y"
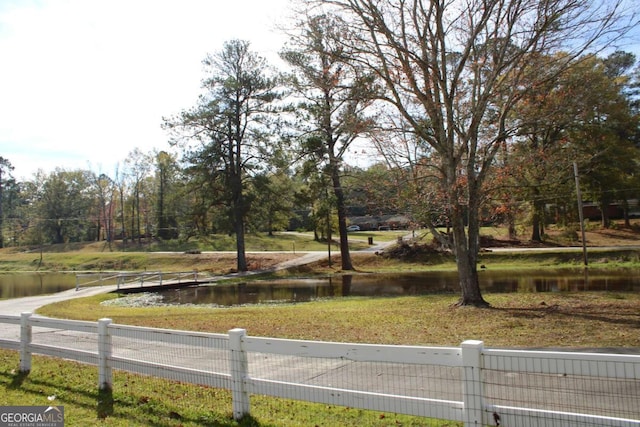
{"x": 472, "y": 389}
{"x": 239, "y": 372}
{"x": 25, "y": 341}
{"x": 105, "y": 378}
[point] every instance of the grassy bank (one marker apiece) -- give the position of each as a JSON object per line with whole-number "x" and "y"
{"x": 221, "y": 263}
{"x": 145, "y": 401}
{"x": 216, "y": 254}
{"x": 224, "y": 262}
{"x": 597, "y": 319}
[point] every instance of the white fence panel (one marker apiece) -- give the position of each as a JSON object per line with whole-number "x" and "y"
{"x": 10, "y": 320}
{"x": 174, "y": 373}
{"x": 541, "y": 388}
{"x": 563, "y": 363}
{"x": 433, "y": 408}
{"x": 9, "y": 344}
{"x": 170, "y": 336}
{"x": 6, "y": 341}
{"x": 68, "y": 325}
{"x": 521, "y": 417}
{"x": 469, "y": 383}
{"x": 313, "y": 384}
{"x": 65, "y": 353}
{"x": 444, "y": 356}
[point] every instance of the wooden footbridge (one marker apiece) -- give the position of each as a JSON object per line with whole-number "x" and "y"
{"x": 142, "y": 281}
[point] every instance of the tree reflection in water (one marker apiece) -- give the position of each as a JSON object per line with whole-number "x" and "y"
{"x": 386, "y": 285}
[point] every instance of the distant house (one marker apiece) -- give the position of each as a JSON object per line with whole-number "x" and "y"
{"x": 388, "y": 222}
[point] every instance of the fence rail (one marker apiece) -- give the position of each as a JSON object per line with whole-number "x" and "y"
{"x": 469, "y": 383}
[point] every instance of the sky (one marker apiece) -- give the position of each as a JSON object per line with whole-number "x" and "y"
{"x": 84, "y": 82}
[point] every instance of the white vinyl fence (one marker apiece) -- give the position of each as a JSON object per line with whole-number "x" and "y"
{"x": 469, "y": 383}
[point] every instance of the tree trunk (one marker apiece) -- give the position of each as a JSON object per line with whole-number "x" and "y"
{"x": 240, "y": 245}
{"x": 345, "y": 256}
{"x": 625, "y": 212}
{"x": 238, "y": 221}
{"x": 536, "y": 222}
{"x": 163, "y": 231}
{"x": 466, "y": 262}
{"x": 123, "y": 230}
{"x": 511, "y": 225}
{"x": 466, "y": 243}
{"x": 99, "y": 228}
{"x": 238, "y": 216}
{"x": 138, "y": 218}
{"x": 604, "y": 209}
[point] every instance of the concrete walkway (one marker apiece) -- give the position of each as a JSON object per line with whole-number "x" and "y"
{"x": 15, "y": 306}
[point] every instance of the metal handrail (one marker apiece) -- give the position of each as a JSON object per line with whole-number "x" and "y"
{"x": 125, "y": 278}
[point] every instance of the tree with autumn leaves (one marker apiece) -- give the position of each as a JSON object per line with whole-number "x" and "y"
{"x": 334, "y": 96}
{"x": 454, "y": 72}
{"x": 584, "y": 117}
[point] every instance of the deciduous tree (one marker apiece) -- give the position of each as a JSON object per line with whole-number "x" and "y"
{"x": 454, "y": 71}
{"x": 334, "y": 97}
{"x": 63, "y": 203}
{"x": 167, "y": 188}
{"x": 138, "y": 167}
{"x": 105, "y": 192}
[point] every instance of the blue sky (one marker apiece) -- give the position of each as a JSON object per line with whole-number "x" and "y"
{"x": 83, "y": 82}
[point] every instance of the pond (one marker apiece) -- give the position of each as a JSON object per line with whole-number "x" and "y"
{"x": 16, "y": 285}
{"x": 367, "y": 285}
{"x": 384, "y": 285}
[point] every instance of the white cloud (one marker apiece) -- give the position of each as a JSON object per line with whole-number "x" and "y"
{"x": 89, "y": 80}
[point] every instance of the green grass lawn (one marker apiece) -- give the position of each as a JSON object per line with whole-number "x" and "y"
{"x": 577, "y": 320}
{"x": 146, "y": 401}
{"x": 170, "y": 256}
{"x": 583, "y": 320}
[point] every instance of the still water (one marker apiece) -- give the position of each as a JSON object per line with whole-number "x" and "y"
{"x": 16, "y": 285}
{"x": 381, "y": 285}
{"x": 368, "y": 285}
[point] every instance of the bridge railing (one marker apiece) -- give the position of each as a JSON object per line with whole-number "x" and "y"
{"x": 124, "y": 279}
